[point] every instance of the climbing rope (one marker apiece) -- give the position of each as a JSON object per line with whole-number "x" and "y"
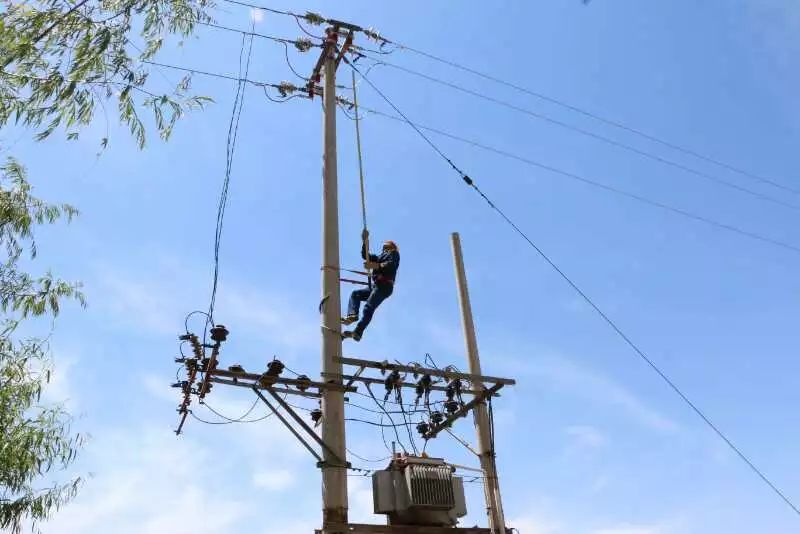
{"x": 364, "y": 231}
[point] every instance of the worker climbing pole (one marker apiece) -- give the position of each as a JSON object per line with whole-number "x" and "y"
{"x": 381, "y": 269}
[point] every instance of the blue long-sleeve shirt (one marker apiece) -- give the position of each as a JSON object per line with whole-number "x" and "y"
{"x": 389, "y": 263}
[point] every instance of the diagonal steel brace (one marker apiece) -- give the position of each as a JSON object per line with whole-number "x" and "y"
{"x": 289, "y": 426}
{"x": 303, "y": 424}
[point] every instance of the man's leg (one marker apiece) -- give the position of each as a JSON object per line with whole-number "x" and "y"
{"x": 378, "y": 295}
{"x": 356, "y": 298}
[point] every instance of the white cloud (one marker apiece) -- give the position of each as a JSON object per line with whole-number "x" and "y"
{"x": 599, "y": 483}
{"x": 530, "y": 524}
{"x": 294, "y": 527}
{"x": 271, "y": 316}
{"x": 586, "y": 436}
{"x": 570, "y": 377}
{"x": 147, "y": 483}
{"x": 775, "y": 25}
{"x": 154, "y": 302}
{"x": 159, "y": 388}
{"x": 60, "y": 389}
{"x": 630, "y": 529}
{"x": 360, "y": 501}
{"x": 449, "y": 339}
{"x": 256, "y": 15}
{"x": 134, "y": 300}
{"x": 273, "y": 480}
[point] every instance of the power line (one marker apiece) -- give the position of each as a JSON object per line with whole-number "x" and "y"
{"x": 283, "y": 40}
{"x": 590, "y": 134}
{"x": 229, "y": 420}
{"x": 406, "y": 119}
{"x": 233, "y": 131}
{"x": 409, "y": 412}
{"x": 600, "y": 118}
{"x": 211, "y": 74}
{"x": 407, "y": 421}
{"x": 376, "y": 461}
{"x": 611, "y": 189}
{"x": 283, "y": 87}
{"x": 594, "y": 306}
{"x": 388, "y": 401}
{"x": 240, "y": 419}
{"x": 312, "y": 17}
{"x": 379, "y": 424}
{"x": 396, "y": 433}
{"x": 264, "y": 8}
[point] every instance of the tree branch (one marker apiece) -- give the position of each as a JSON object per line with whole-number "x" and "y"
{"x": 50, "y": 28}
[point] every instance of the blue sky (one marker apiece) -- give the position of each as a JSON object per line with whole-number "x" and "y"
{"x": 590, "y": 440}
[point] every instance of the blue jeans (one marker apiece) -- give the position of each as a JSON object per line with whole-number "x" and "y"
{"x": 373, "y": 298}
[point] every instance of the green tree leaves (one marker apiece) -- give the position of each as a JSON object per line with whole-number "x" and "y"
{"x": 59, "y": 59}
{"x": 34, "y": 438}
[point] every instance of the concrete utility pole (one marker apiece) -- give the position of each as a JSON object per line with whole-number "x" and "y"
{"x": 491, "y": 485}
{"x": 334, "y": 475}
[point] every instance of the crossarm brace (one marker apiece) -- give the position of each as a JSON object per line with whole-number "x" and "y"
{"x": 461, "y": 412}
{"x": 303, "y": 425}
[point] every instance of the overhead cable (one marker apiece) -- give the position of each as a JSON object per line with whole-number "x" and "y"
{"x": 582, "y": 131}
{"x": 580, "y": 178}
{"x": 233, "y": 131}
{"x": 301, "y": 44}
{"x": 469, "y": 181}
{"x": 600, "y": 118}
{"x": 318, "y": 19}
{"x": 379, "y": 424}
{"x": 394, "y": 427}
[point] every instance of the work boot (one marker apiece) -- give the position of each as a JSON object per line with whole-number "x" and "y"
{"x": 350, "y": 319}
{"x": 355, "y": 336}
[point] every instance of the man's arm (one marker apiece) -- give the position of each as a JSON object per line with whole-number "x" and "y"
{"x": 366, "y": 255}
{"x": 391, "y": 262}
{"x": 364, "y": 252}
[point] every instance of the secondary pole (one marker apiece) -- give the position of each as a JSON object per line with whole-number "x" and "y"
{"x": 491, "y": 485}
{"x": 334, "y": 474}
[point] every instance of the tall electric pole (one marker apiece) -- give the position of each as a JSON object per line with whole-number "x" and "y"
{"x": 334, "y": 474}
{"x": 481, "y": 417}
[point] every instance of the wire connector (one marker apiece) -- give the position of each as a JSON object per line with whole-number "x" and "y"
{"x": 314, "y": 18}
{"x": 303, "y": 44}
{"x": 286, "y": 88}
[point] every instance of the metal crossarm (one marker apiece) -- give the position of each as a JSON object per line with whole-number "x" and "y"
{"x": 387, "y": 366}
{"x": 410, "y": 385}
{"x": 267, "y": 381}
{"x": 249, "y": 385}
